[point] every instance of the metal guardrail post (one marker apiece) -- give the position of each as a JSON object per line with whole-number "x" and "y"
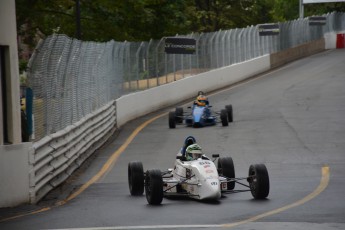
{"x": 211, "y": 49}
{"x": 138, "y": 64}
{"x": 147, "y": 61}
{"x": 224, "y": 47}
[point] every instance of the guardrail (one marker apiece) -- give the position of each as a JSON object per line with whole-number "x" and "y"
{"x": 54, "y": 158}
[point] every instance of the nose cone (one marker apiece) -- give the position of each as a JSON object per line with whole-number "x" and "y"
{"x": 210, "y": 190}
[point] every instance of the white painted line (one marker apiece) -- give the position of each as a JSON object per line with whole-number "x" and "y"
{"x": 145, "y": 227}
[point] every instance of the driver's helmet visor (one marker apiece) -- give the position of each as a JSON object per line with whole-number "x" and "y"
{"x": 195, "y": 154}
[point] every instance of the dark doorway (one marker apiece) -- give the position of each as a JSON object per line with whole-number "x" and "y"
{"x": 3, "y": 102}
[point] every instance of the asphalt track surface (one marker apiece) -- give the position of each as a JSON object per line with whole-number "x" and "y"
{"x": 291, "y": 119}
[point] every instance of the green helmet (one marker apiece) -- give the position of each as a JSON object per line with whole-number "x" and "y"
{"x": 193, "y": 152}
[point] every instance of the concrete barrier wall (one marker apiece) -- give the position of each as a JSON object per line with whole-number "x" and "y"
{"x": 330, "y": 40}
{"x": 138, "y": 104}
{"x": 292, "y": 54}
{"x": 14, "y": 174}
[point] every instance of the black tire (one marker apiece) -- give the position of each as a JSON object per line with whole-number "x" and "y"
{"x": 154, "y": 186}
{"x": 226, "y": 168}
{"x": 224, "y": 117}
{"x": 172, "y": 120}
{"x": 179, "y": 114}
{"x": 259, "y": 182}
{"x": 136, "y": 178}
{"x": 229, "y": 111}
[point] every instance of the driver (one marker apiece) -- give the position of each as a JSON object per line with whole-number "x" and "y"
{"x": 201, "y": 100}
{"x": 193, "y": 152}
{"x": 187, "y": 142}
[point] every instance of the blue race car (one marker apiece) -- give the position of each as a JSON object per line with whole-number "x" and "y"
{"x": 200, "y": 116}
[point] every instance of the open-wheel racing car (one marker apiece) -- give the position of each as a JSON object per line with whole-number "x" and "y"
{"x": 200, "y": 114}
{"x": 199, "y": 179}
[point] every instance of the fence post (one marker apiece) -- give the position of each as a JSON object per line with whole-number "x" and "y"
{"x": 157, "y": 68}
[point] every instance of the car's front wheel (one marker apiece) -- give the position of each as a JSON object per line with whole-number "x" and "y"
{"x": 154, "y": 186}
{"x": 136, "y": 178}
{"x": 172, "y": 120}
{"x": 228, "y": 109}
{"x": 224, "y": 117}
{"x": 227, "y": 169}
{"x": 259, "y": 182}
{"x": 179, "y": 114}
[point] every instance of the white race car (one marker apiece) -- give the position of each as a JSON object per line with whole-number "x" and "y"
{"x": 198, "y": 179}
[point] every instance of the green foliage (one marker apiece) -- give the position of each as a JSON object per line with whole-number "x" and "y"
{"x": 141, "y": 20}
{"x": 22, "y": 65}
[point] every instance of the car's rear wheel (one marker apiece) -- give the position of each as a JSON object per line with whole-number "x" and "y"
{"x": 172, "y": 120}
{"x": 228, "y": 109}
{"x": 224, "y": 117}
{"x": 259, "y": 182}
{"x": 136, "y": 178}
{"x": 154, "y": 186}
{"x": 179, "y": 114}
{"x": 227, "y": 169}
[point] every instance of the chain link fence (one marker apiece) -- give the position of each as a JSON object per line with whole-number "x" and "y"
{"x": 71, "y": 78}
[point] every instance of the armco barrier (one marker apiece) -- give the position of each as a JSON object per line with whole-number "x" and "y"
{"x": 54, "y": 158}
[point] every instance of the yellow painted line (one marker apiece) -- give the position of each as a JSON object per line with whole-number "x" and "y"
{"x": 322, "y": 186}
{"x": 106, "y": 167}
{"x": 25, "y": 214}
{"x": 112, "y": 159}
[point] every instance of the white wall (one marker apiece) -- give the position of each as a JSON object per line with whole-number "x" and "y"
{"x": 14, "y": 174}
{"x": 138, "y": 104}
{"x": 331, "y": 39}
{"x": 14, "y": 163}
{"x": 8, "y": 38}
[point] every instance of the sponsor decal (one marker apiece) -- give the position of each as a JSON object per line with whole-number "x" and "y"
{"x": 188, "y": 173}
{"x": 268, "y": 29}
{"x": 178, "y": 45}
{"x": 317, "y": 21}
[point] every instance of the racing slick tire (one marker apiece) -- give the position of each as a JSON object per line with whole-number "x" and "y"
{"x": 136, "y": 178}
{"x": 224, "y": 117}
{"x": 179, "y": 114}
{"x": 154, "y": 186}
{"x": 227, "y": 169}
{"x": 229, "y": 111}
{"x": 259, "y": 182}
{"x": 172, "y": 120}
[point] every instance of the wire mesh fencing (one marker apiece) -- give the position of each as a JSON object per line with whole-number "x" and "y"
{"x": 72, "y": 78}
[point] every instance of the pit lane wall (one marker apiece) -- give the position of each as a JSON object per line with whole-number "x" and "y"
{"x": 42, "y": 166}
